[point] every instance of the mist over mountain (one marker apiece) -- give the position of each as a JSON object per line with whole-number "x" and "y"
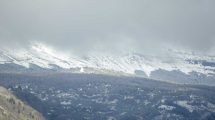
{"x": 115, "y": 26}
{"x": 108, "y": 59}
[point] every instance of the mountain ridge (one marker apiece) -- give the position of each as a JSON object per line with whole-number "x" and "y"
{"x": 40, "y": 57}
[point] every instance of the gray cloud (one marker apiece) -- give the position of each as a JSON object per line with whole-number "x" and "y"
{"x": 117, "y": 25}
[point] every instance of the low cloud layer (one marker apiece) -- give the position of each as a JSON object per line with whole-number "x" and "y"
{"x": 109, "y": 25}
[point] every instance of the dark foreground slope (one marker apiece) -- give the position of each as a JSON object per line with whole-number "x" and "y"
{"x": 98, "y": 97}
{"x": 13, "y": 109}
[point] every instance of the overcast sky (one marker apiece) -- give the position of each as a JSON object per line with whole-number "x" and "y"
{"x": 109, "y": 25}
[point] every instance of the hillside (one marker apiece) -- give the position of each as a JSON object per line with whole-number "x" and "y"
{"x": 62, "y": 96}
{"x": 12, "y": 108}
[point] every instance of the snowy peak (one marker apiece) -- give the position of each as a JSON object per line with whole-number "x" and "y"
{"x": 46, "y": 57}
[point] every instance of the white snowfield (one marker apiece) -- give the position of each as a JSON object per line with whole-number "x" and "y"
{"x": 45, "y": 57}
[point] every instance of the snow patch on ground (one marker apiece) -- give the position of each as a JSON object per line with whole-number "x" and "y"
{"x": 185, "y": 104}
{"x": 166, "y": 107}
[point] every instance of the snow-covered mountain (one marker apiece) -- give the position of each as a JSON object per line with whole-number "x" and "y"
{"x": 177, "y": 62}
